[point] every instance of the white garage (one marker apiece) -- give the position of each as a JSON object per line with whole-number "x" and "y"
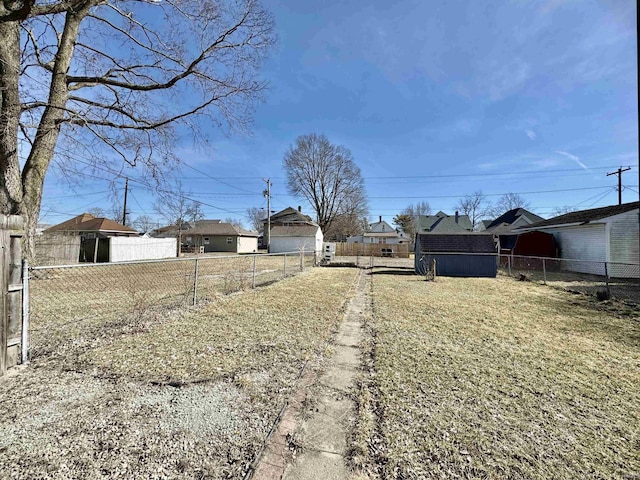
{"x": 296, "y": 238}
{"x": 589, "y": 238}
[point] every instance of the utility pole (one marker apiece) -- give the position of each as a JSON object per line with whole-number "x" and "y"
{"x": 124, "y": 209}
{"x": 267, "y": 193}
{"x": 619, "y": 173}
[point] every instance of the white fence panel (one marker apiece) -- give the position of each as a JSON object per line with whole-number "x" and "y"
{"x": 127, "y": 249}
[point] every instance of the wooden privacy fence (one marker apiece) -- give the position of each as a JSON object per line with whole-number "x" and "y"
{"x": 14, "y": 293}
{"x": 372, "y": 250}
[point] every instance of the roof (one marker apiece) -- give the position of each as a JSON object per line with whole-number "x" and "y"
{"x": 294, "y": 231}
{"x": 443, "y": 223}
{"x": 510, "y": 217}
{"x": 104, "y": 225}
{"x": 290, "y": 215}
{"x": 470, "y": 242}
{"x": 70, "y": 225}
{"x": 586, "y": 216}
{"x": 88, "y": 223}
{"x": 217, "y": 228}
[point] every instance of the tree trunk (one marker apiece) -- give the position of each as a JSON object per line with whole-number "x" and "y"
{"x": 43, "y": 148}
{"x": 10, "y": 184}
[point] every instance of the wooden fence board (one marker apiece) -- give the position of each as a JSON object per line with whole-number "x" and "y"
{"x": 11, "y": 233}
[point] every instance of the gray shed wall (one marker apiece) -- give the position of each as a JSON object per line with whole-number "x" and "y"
{"x": 452, "y": 265}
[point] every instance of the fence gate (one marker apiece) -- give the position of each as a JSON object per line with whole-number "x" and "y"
{"x": 14, "y": 295}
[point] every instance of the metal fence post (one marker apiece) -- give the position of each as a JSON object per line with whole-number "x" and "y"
{"x": 301, "y": 260}
{"x": 253, "y": 278}
{"x": 195, "y": 283}
{"x": 606, "y": 279}
{"x": 509, "y": 264}
{"x": 24, "y": 344}
{"x": 285, "y": 266}
{"x": 544, "y": 271}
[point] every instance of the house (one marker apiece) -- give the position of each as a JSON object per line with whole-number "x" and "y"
{"x": 517, "y": 217}
{"x": 592, "y": 237}
{"x": 296, "y": 238}
{"x": 293, "y": 231}
{"x": 288, "y": 217}
{"x": 483, "y": 224}
{"x": 468, "y": 254}
{"x": 216, "y": 236}
{"x": 443, "y": 223}
{"x": 380, "y": 232}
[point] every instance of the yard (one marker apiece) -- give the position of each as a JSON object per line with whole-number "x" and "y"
{"x": 463, "y": 378}
{"x": 163, "y": 394}
{"x": 494, "y": 378}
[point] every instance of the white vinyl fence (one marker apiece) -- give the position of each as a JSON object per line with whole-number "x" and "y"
{"x": 130, "y": 249}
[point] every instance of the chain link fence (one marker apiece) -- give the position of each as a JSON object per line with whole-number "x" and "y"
{"x": 89, "y": 291}
{"x": 604, "y": 279}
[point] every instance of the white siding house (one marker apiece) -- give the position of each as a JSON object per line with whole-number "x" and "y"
{"x": 296, "y": 238}
{"x": 608, "y": 234}
{"x": 379, "y": 232}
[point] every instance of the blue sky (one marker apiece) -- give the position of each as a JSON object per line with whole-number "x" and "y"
{"x": 435, "y": 100}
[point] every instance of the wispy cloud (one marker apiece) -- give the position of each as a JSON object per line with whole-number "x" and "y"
{"x": 574, "y": 158}
{"x": 531, "y": 134}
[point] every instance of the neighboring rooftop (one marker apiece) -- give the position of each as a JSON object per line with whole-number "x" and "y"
{"x": 586, "y": 216}
{"x": 512, "y": 216}
{"x": 470, "y": 242}
{"x": 88, "y": 223}
{"x": 443, "y": 223}
{"x": 215, "y": 227}
{"x": 294, "y": 231}
{"x": 290, "y": 216}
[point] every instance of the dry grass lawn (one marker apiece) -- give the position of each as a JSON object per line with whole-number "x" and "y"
{"x": 494, "y": 378}
{"x": 189, "y": 394}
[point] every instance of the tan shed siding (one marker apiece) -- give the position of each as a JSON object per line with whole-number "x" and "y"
{"x": 624, "y": 244}
{"x": 585, "y": 242}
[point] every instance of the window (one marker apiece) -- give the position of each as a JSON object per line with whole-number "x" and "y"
{"x": 229, "y": 240}
{"x": 206, "y": 240}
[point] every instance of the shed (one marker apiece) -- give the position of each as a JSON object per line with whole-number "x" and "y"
{"x": 457, "y": 254}
{"x": 296, "y": 238}
{"x": 215, "y": 236}
{"x": 595, "y": 236}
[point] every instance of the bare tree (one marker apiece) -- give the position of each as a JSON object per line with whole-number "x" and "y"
{"x": 175, "y": 207}
{"x": 557, "y": 211}
{"x": 144, "y": 224}
{"x": 104, "y": 83}
{"x": 407, "y": 219}
{"x": 475, "y": 206}
{"x": 97, "y": 212}
{"x": 506, "y": 202}
{"x": 420, "y": 208}
{"x": 327, "y": 177}
{"x": 194, "y": 212}
{"x": 236, "y": 222}
{"x": 256, "y": 218}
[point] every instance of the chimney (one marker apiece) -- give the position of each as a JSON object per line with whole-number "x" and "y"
{"x": 457, "y": 216}
{"x": 380, "y": 219}
{"x": 300, "y": 208}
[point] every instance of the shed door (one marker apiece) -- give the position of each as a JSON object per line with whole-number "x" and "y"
{"x": 587, "y": 243}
